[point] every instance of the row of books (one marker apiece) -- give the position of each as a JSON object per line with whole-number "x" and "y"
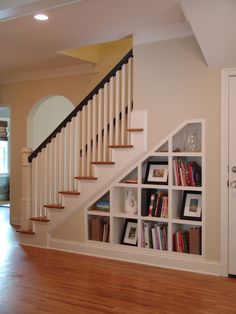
{"x": 158, "y": 204}
{"x": 188, "y": 241}
{"x": 99, "y": 229}
{"x": 154, "y": 236}
{"x": 186, "y": 173}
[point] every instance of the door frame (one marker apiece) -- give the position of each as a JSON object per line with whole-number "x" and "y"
{"x": 224, "y": 173}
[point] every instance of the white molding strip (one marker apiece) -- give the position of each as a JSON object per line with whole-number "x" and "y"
{"x": 133, "y": 255}
{"x": 52, "y": 73}
{"x": 163, "y": 33}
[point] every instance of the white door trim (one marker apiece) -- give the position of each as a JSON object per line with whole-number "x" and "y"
{"x": 224, "y": 203}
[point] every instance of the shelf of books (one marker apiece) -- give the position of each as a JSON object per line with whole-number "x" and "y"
{"x": 158, "y": 205}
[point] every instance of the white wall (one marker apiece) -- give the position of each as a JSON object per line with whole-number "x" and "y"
{"x": 173, "y": 82}
{"x": 45, "y": 117}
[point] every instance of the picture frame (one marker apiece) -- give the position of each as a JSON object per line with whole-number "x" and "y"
{"x": 191, "y": 206}
{"x": 130, "y": 233}
{"x": 156, "y": 173}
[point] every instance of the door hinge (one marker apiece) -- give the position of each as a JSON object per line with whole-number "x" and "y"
{"x": 228, "y": 183}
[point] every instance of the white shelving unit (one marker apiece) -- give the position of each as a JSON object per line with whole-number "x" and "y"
{"x": 173, "y": 147}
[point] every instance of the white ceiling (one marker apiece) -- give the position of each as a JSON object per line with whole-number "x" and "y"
{"x": 28, "y": 45}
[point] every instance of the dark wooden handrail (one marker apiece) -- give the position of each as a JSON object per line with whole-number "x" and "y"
{"x": 83, "y": 103}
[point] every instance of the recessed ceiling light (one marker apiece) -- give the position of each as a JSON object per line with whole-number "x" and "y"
{"x": 41, "y": 17}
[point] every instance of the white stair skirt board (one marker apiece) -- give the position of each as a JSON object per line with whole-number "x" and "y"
{"x": 123, "y": 158}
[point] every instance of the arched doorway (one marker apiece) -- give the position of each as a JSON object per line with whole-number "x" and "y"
{"x": 44, "y": 117}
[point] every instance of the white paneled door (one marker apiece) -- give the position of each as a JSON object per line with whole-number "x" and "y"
{"x": 232, "y": 175}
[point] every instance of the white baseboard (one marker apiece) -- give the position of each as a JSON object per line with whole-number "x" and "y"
{"x": 134, "y": 255}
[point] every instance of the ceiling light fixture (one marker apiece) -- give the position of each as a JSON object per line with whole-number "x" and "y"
{"x": 41, "y": 17}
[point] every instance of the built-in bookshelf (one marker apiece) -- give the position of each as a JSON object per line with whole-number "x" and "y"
{"x": 158, "y": 205}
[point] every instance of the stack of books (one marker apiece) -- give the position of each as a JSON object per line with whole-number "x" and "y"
{"x": 154, "y": 236}
{"x": 188, "y": 241}
{"x": 99, "y": 229}
{"x": 158, "y": 204}
{"x": 186, "y": 173}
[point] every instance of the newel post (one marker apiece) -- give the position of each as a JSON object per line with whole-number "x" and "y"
{"x": 26, "y": 190}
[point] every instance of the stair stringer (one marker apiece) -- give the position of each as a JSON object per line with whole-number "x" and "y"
{"x": 123, "y": 158}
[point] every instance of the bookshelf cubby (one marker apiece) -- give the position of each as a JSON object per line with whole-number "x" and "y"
{"x": 168, "y": 214}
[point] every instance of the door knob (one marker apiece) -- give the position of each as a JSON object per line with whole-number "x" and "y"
{"x": 233, "y": 184}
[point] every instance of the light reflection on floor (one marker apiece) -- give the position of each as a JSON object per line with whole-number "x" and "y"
{"x": 8, "y": 235}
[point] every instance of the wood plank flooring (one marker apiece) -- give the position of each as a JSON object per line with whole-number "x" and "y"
{"x": 34, "y": 280}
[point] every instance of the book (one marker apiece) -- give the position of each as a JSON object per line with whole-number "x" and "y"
{"x": 132, "y": 181}
{"x": 195, "y": 240}
{"x": 164, "y": 208}
{"x": 147, "y": 235}
{"x": 152, "y": 204}
{"x": 96, "y": 228}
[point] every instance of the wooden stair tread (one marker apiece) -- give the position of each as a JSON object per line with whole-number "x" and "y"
{"x": 86, "y": 178}
{"x": 102, "y": 162}
{"x": 121, "y": 146}
{"x": 59, "y": 206}
{"x": 25, "y": 231}
{"x": 69, "y": 192}
{"x": 40, "y": 218}
{"x": 134, "y": 130}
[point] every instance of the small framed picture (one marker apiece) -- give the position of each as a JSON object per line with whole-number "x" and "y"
{"x": 130, "y": 233}
{"x": 156, "y": 173}
{"x": 191, "y": 206}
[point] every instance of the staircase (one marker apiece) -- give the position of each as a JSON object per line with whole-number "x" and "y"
{"x": 101, "y": 138}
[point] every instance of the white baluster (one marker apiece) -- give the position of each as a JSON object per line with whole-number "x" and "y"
{"x": 39, "y": 183}
{"x": 94, "y": 127}
{"x": 57, "y": 166}
{"x": 123, "y": 104}
{"x": 47, "y": 174}
{"x": 100, "y": 102}
{"x": 105, "y": 122}
{"x": 129, "y": 95}
{"x": 52, "y": 171}
{"x": 111, "y": 112}
{"x": 72, "y": 153}
{"x": 62, "y": 160}
{"x": 117, "y": 101}
{"x": 43, "y": 181}
{"x": 66, "y": 154}
{"x": 89, "y": 127}
{"x": 83, "y": 139}
{"x": 78, "y": 147}
{"x": 34, "y": 185}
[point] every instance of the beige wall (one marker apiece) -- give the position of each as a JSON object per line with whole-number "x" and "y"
{"x": 172, "y": 81}
{"x": 22, "y": 96}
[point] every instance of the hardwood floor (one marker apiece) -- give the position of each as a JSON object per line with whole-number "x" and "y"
{"x": 34, "y": 280}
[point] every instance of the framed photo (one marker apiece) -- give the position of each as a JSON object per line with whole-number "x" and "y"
{"x": 191, "y": 206}
{"x": 130, "y": 233}
{"x": 156, "y": 173}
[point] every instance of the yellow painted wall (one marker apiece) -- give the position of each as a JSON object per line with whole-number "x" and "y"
{"x": 22, "y": 96}
{"x": 97, "y": 53}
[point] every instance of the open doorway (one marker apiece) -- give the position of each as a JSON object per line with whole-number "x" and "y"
{"x": 5, "y": 156}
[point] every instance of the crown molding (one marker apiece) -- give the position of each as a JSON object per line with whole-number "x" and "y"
{"x": 163, "y": 33}
{"x": 52, "y": 73}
